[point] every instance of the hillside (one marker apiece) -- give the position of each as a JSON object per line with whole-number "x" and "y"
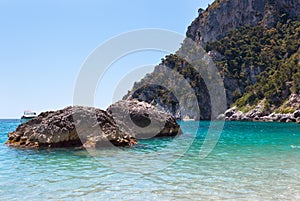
{"x": 256, "y": 48}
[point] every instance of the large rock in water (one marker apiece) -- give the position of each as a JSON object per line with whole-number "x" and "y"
{"x": 143, "y": 120}
{"x": 71, "y": 127}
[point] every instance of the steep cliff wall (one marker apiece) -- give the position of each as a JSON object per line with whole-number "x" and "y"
{"x": 225, "y": 15}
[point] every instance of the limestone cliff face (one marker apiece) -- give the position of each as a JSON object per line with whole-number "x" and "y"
{"x": 225, "y": 15}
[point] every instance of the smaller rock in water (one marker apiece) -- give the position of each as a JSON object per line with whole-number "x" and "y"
{"x": 143, "y": 120}
{"x": 221, "y": 117}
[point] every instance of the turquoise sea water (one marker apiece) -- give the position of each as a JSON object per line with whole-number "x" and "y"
{"x": 251, "y": 161}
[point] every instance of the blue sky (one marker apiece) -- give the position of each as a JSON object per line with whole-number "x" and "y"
{"x": 44, "y": 43}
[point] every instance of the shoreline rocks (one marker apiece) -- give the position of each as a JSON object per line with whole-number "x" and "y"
{"x": 233, "y": 114}
{"x": 86, "y": 127}
{"x": 259, "y": 113}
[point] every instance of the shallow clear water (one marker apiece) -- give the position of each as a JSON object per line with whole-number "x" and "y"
{"x": 251, "y": 161}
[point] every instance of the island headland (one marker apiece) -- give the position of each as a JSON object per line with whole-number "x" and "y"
{"x": 255, "y": 45}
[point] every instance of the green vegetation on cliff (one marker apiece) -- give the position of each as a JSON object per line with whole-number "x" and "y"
{"x": 265, "y": 62}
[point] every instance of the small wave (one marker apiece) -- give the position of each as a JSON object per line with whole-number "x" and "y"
{"x": 295, "y": 147}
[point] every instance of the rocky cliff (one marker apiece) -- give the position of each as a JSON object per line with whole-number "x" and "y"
{"x": 255, "y": 46}
{"x": 226, "y": 15}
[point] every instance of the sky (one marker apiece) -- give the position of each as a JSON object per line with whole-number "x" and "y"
{"x": 43, "y": 45}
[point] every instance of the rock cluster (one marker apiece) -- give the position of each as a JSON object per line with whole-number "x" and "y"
{"x": 233, "y": 114}
{"x": 143, "y": 120}
{"x": 259, "y": 113}
{"x": 88, "y": 127}
{"x": 70, "y": 127}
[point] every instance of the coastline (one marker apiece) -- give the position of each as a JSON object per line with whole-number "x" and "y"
{"x": 288, "y": 112}
{"x": 233, "y": 114}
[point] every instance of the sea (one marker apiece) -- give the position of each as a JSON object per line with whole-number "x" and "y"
{"x": 240, "y": 161}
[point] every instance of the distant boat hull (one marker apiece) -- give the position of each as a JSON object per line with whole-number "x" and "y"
{"x": 188, "y": 119}
{"x": 25, "y": 119}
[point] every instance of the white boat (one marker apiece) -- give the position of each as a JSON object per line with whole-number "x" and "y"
{"x": 28, "y": 115}
{"x": 187, "y": 118}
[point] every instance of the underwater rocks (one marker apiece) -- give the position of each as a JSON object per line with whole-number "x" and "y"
{"x": 143, "y": 120}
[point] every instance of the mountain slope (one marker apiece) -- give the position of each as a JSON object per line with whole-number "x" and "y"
{"x": 255, "y": 46}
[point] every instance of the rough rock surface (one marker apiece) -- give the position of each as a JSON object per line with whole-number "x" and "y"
{"x": 293, "y": 102}
{"x": 224, "y": 15}
{"x": 259, "y": 114}
{"x": 70, "y": 127}
{"x": 143, "y": 120}
{"x": 296, "y": 114}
